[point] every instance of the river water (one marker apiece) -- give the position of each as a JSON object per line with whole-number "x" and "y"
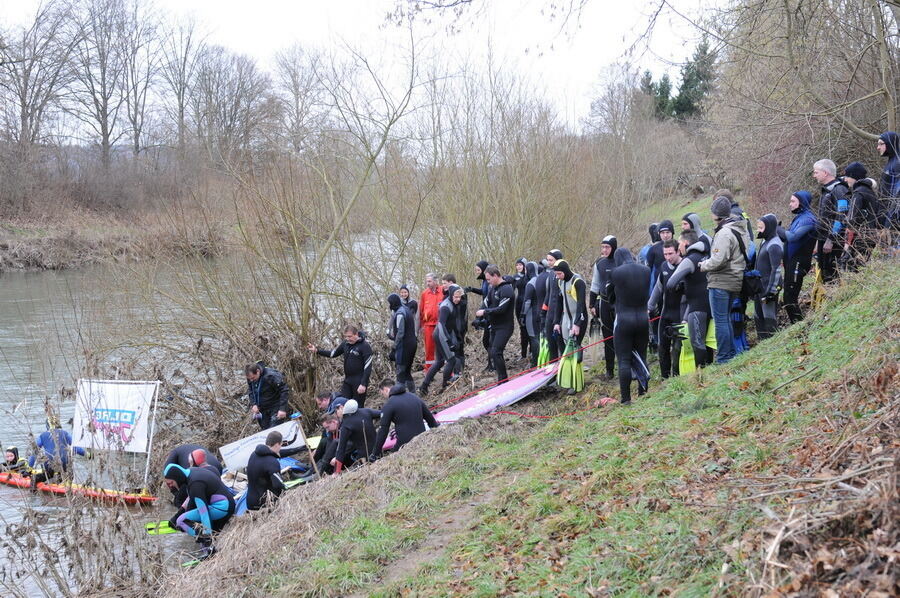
{"x": 49, "y": 321}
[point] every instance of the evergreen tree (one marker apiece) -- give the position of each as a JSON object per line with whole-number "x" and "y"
{"x": 663, "y": 97}
{"x": 697, "y": 77}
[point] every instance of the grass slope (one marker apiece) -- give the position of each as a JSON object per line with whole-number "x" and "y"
{"x": 647, "y": 500}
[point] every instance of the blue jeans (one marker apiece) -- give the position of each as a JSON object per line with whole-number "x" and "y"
{"x": 720, "y": 305}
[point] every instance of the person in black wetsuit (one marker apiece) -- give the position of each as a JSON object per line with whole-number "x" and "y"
{"x": 264, "y": 483}
{"x": 768, "y": 263}
{"x": 446, "y": 341}
{"x": 181, "y": 455}
{"x": 520, "y": 279}
{"x": 461, "y": 318}
{"x": 13, "y": 463}
{"x": 628, "y": 290}
{"x": 655, "y": 259}
{"x": 601, "y": 306}
{"x": 356, "y": 435}
{"x": 666, "y": 303}
{"x": 831, "y": 223}
{"x": 483, "y": 290}
{"x": 268, "y": 394}
{"x": 406, "y": 299}
{"x": 406, "y": 411}
{"x": 402, "y": 330}
{"x": 209, "y": 506}
{"x": 531, "y": 311}
{"x": 501, "y": 314}
{"x": 325, "y": 451}
{"x": 692, "y": 282}
{"x": 551, "y": 296}
{"x": 691, "y": 221}
{"x": 357, "y": 363}
{"x": 862, "y": 219}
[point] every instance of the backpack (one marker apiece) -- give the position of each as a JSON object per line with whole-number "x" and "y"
{"x": 752, "y": 284}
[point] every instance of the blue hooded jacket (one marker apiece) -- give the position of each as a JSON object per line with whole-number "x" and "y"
{"x": 802, "y": 233}
{"x": 890, "y": 178}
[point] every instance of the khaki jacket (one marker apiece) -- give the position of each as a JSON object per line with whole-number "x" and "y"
{"x": 725, "y": 266}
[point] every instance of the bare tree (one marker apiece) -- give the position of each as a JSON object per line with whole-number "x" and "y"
{"x": 296, "y": 81}
{"x": 99, "y": 71}
{"x": 33, "y": 64}
{"x": 141, "y": 57}
{"x": 181, "y": 47}
{"x": 231, "y": 101}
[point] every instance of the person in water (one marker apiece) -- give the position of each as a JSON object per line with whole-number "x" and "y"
{"x": 54, "y": 451}
{"x": 13, "y": 463}
{"x": 209, "y": 505}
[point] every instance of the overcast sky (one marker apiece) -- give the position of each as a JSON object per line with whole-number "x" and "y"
{"x": 567, "y": 63}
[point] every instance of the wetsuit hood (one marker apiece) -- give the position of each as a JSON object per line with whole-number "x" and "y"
{"x": 612, "y": 242}
{"x": 482, "y": 264}
{"x": 531, "y": 270}
{"x": 693, "y": 220}
{"x": 524, "y": 263}
{"x": 771, "y": 224}
{"x": 892, "y": 144}
{"x": 654, "y": 232}
{"x": 665, "y": 225}
{"x": 394, "y": 301}
{"x": 563, "y": 266}
{"x": 450, "y": 290}
{"x": 556, "y": 253}
{"x": 805, "y": 198}
{"x": 623, "y": 256}
{"x": 698, "y": 247}
{"x": 397, "y": 389}
{"x": 264, "y": 451}
{"x": 14, "y": 451}
{"x": 176, "y": 473}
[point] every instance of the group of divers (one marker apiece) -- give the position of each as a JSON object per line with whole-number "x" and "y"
{"x": 683, "y": 295}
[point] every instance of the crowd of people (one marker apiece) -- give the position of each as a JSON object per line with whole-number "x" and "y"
{"x": 684, "y": 294}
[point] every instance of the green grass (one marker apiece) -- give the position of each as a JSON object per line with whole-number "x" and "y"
{"x": 634, "y": 500}
{"x": 675, "y": 209}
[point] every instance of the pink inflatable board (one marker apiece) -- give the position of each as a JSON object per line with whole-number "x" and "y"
{"x": 499, "y": 396}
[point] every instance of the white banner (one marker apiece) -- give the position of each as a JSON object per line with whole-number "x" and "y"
{"x": 236, "y": 454}
{"x": 114, "y": 415}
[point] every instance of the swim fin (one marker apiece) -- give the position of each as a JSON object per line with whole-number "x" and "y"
{"x": 577, "y": 374}
{"x": 686, "y": 363}
{"x": 640, "y": 372}
{"x": 543, "y": 351}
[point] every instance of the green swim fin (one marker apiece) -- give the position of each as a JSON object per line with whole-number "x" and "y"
{"x": 543, "y": 351}
{"x": 686, "y": 363}
{"x": 567, "y": 374}
{"x": 578, "y": 374}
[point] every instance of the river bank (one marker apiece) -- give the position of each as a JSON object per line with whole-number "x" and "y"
{"x": 83, "y": 238}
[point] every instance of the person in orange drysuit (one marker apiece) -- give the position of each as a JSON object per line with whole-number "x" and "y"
{"x": 429, "y": 305}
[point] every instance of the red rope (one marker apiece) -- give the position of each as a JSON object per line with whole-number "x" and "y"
{"x": 522, "y": 373}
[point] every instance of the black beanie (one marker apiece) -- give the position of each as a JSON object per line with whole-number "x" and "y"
{"x": 394, "y": 301}
{"x": 666, "y": 225}
{"x": 855, "y": 170}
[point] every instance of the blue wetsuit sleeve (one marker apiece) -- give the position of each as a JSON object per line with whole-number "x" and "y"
{"x": 203, "y": 509}
{"x": 800, "y": 233}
